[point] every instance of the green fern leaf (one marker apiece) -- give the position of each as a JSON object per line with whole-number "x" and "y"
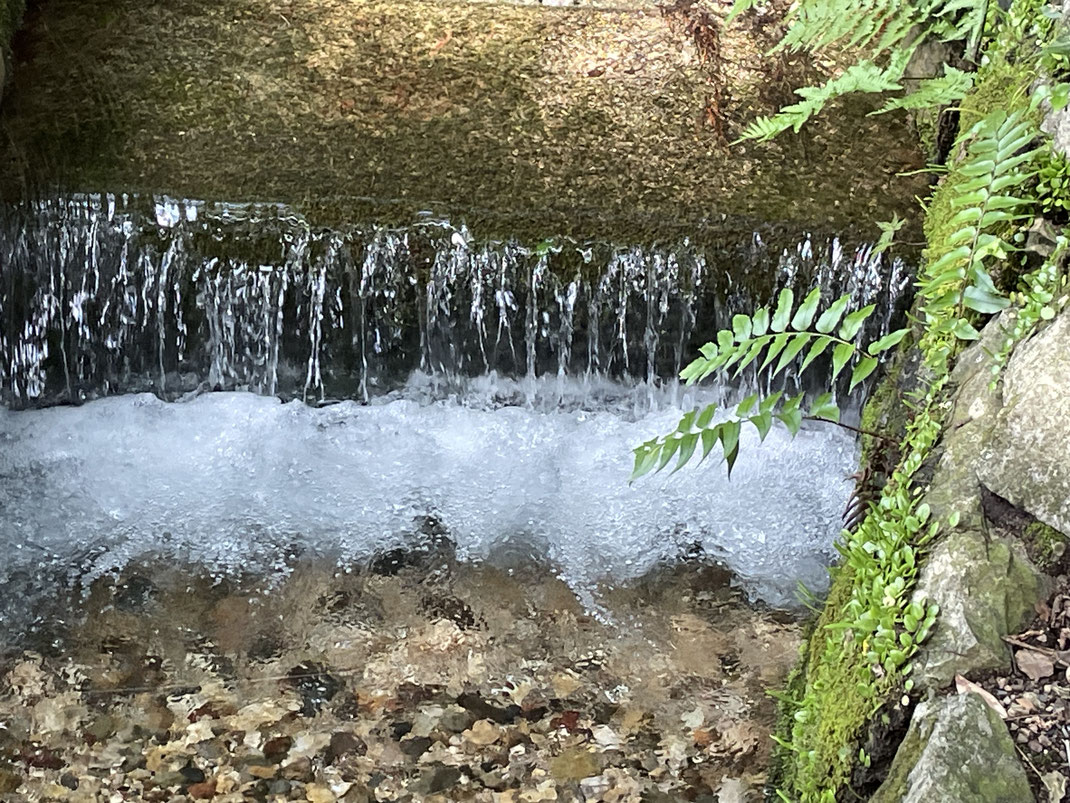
{"x": 933, "y": 92}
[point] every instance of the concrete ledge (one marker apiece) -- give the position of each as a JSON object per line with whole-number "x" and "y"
{"x": 580, "y": 121}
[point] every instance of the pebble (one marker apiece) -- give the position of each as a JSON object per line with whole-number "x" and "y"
{"x": 344, "y": 743}
{"x": 202, "y": 791}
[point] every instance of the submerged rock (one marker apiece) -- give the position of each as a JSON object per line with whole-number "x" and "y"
{"x": 957, "y": 750}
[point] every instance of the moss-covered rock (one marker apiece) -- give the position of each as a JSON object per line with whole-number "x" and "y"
{"x": 1045, "y": 544}
{"x": 974, "y": 405}
{"x": 957, "y": 750}
{"x": 986, "y": 589}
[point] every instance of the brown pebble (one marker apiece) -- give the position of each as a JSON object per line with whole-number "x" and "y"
{"x": 344, "y": 743}
{"x": 276, "y": 749}
{"x": 202, "y": 791}
{"x": 299, "y": 770}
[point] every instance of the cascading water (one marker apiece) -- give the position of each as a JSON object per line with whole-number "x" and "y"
{"x": 103, "y": 295}
{"x": 497, "y": 387}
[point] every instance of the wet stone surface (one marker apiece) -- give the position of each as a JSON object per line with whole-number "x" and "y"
{"x": 464, "y": 683}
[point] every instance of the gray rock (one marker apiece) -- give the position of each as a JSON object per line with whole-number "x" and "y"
{"x": 1025, "y": 459}
{"x": 986, "y": 589}
{"x": 954, "y": 487}
{"x": 957, "y": 750}
{"x": 1057, "y": 124}
{"x": 437, "y": 778}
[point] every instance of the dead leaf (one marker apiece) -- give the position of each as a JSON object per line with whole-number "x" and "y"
{"x": 1055, "y": 783}
{"x": 1034, "y": 665}
{"x": 964, "y": 686}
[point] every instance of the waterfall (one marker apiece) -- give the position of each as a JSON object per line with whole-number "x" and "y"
{"x": 495, "y": 386}
{"x": 101, "y": 295}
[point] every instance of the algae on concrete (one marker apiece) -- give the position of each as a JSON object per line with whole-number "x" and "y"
{"x": 533, "y": 120}
{"x": 10, "y": 16}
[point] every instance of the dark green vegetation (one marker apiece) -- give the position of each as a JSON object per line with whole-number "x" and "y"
{"x": 528, "y": 121}
{"x": 848, "y": 693}
{"x": 840, "y": 704}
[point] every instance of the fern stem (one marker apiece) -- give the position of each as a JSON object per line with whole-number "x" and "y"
{"x": 859, "y": 430}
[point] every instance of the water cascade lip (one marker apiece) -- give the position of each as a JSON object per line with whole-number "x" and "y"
{"x": 496, "y": 388}
{"x": 104, "y": 294}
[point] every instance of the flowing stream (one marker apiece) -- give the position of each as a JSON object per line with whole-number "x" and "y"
{"x": 399, "y": 376}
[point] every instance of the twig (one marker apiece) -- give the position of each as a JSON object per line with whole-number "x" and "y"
{"x": 1027, "y": 761}
{"x": 1048, "y": 651}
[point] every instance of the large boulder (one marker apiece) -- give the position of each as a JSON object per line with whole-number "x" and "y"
{"x": 1025, "y": 458}
{"x": 957, "y": 750}
{"x": 954, "y": 487}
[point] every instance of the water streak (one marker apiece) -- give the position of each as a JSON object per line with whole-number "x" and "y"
{"x": 104, "y": 295}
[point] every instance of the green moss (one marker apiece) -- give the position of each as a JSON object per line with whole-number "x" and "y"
{"x": 10, "y": 17}
{"x": 1044, "y": 544}
{"x": 836, "y": 692}
{"x": 998, "y": 84}
{"x": 499, "y": 114}
{"x": 824, "y": 734}
{"x": 884, "y": 411}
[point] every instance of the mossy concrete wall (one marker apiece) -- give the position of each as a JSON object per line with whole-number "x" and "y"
{"x": 10, "y": 17}
{"x": 587, "y": 121}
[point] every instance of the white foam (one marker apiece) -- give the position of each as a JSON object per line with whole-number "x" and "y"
{"x": 232, "y": 480}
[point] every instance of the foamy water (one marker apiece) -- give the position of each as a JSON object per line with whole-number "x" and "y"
{"x": 235, "y": 482}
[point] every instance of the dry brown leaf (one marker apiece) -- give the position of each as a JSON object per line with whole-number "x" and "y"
{"x": 1034, "y": 665}
{"x": 964, "y": 686}
{"x": 1055, "y": 784}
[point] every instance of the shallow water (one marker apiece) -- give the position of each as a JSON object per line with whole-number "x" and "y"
{"x": 434, "y": 682}
{"x": 379, "y": 483}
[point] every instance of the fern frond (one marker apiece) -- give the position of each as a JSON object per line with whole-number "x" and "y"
{"x": 958, "y": 20}
{"x": 862, "y": 77}
{"x": 768, "y": 339}
{"x": 950, "y": 88}
{"x": 888, "y": 231}
{"x": 885, "y": 31}
{"x": 742, "y": 6}
{"x": 816, "y": 25}
{"x": 991, "y": 192}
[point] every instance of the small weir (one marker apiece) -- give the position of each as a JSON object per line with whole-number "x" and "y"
{"x": 496, "y": 387}
{"x": 357, "y": 497}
